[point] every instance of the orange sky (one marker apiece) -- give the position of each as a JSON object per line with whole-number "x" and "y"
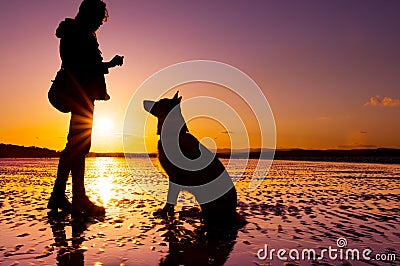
{"x": 330, "y": 71}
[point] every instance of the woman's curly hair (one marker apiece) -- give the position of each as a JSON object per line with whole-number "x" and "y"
{"x": 92, "y": 10}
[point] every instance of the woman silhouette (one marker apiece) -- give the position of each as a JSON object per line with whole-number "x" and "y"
{"x": 82, "y": 60}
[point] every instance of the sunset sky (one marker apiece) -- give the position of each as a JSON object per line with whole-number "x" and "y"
{"x": 329, "y": 69}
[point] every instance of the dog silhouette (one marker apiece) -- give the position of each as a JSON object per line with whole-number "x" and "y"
{"x": 191, "y": 166}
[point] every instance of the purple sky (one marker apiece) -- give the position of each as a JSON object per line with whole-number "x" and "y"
{"x": 318, "y": 63}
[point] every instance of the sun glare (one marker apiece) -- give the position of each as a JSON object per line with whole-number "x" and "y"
{"x": 103, "y": 126}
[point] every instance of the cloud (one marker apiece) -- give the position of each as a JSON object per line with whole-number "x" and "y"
{"x": 386, "y": 101}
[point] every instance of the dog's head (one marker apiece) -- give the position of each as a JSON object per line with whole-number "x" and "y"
{"x": 167, "y": 108}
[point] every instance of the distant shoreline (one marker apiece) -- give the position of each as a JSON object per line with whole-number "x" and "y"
{"x": 380, "y": 155}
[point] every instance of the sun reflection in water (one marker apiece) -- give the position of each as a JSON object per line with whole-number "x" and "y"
{"x": 104, "y": 181}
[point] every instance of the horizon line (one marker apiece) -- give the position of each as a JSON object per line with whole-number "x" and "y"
{"x": 230, "y": 150}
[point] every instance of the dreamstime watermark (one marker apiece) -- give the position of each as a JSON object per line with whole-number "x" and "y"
{"x": 209, "y": 106}
{"x": 339, "y": 252}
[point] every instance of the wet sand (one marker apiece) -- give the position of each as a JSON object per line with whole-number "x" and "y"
{"x": 299, "y": 205}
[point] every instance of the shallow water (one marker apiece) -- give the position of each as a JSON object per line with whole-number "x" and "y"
{"x": 299, "y": 205}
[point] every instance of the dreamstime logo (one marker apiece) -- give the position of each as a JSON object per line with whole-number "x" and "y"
{"x": 331, "y": 253}
{"x": 341, "y": 242}
{"x": 209, "y": 106}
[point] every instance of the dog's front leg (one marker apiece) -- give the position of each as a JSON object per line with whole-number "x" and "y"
{"x": 172, "y": 197}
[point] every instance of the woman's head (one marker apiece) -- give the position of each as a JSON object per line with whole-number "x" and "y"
{"x": 92, "y": 14}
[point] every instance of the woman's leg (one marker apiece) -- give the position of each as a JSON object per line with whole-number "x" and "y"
{"x": 72, "y": 158}
{"x": 64, "y": 167}
{"x": 58, "y": 198}
{"x": 81, "y": 135}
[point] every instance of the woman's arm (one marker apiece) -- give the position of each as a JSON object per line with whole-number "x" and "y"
{"x": 116, "y": 61}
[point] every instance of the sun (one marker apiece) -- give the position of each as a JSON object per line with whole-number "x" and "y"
{"x": 105, "y": 134}
{"x": 103, "y": 126}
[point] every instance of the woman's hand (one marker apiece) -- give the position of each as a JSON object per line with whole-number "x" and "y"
{"x": 116, "y": 61}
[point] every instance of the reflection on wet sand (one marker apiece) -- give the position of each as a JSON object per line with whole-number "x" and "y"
{"x": 193, "y": 246}
{"x": 70, "y": 254}
{"x": 197, "y": 247}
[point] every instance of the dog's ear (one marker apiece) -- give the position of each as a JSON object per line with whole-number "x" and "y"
{"x": 148, "y": 106}
{"x": 176, "y": 98}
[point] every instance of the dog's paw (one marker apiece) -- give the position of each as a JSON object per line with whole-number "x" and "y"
{"x": 160, "y": 213}
{"x": 166, "y": 212}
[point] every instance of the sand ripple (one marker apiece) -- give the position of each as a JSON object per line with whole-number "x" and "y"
{"x": 299, "y": 205}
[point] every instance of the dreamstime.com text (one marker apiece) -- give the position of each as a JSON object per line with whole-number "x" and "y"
{"x": 332, "y": 253}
